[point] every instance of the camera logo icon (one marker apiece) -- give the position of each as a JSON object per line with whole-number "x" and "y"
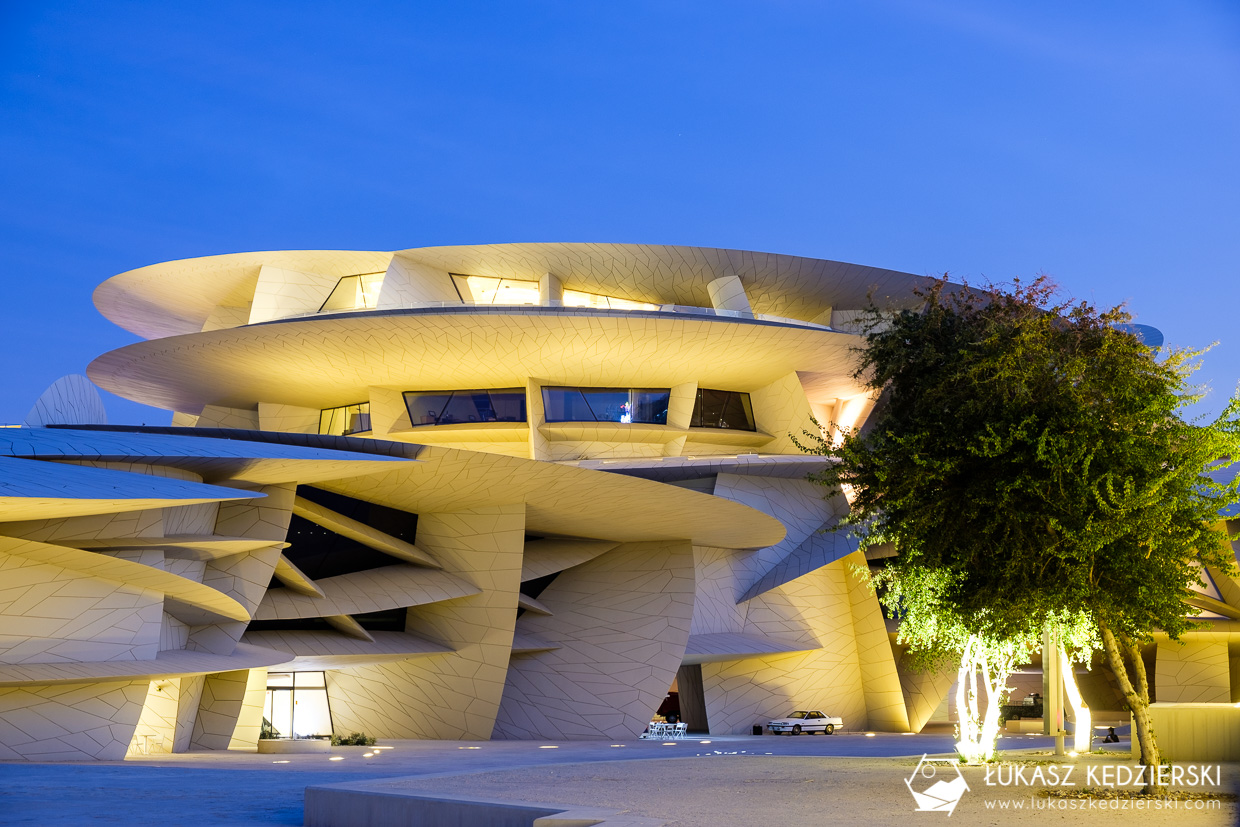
{"x": 944, "y": 793}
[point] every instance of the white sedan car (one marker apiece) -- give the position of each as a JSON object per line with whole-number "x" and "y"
{"x": 805, "y": 720}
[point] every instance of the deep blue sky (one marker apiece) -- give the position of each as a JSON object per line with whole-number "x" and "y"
{"x": 1095, "y": 142}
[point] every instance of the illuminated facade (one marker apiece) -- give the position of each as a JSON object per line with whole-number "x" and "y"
{"x": 506, "y": 491}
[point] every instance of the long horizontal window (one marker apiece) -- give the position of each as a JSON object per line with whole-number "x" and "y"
{"x": 345, "y": 420}
{"x": 493, "y": 290}
{"x": 488, "y": 290}
{"x": 722, "y": 409}
{"x": 360, "y": 292}
{"x": 623, "y": 405}
{"x": 455, "y": 407}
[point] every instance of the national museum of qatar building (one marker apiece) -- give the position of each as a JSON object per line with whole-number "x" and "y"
{"x": 511, "y": 491}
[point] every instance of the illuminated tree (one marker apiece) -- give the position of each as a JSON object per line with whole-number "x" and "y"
{"x": 1028, "y": 457}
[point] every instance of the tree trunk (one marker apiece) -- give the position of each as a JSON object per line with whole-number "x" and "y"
{"x": 1138, "y": 702}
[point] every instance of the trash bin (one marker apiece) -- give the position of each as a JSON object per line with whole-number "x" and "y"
{"x": 757, "y": 729}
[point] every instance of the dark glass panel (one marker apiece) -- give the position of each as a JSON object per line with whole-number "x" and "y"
{"x": 737, "y": 413}
{"x": 388, "y": 620}
{"x": 566, "y": 405}
{"x": 509, "y": 404}
{"x": 609, "y": 404}
{"x": 651, "y": 406}
{"x": 465, "y": 406}
{"x": 722, "y": 409}
{"x": 322, "y": 553}
{"x": 424, "y": 408}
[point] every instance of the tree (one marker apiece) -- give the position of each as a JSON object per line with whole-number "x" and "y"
{"x": 1029, "y": 457}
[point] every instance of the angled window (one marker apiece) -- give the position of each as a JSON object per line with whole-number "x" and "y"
{"x": 465, "y": 406}
{"x": 576, "y": 298}
{"x": 490, "y": 290}
{"x": 623, "y": 405}
{"x": 722, "y": 409}
{"x": 345, "y": 420}
{"x": 360, "y": 292}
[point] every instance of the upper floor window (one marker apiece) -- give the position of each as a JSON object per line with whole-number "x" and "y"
{"x": 455, "y": 407}
{"x": 722, "y": 409}
{"x": 489, "y": 290}
{"x": 576, "y": 298}
{"x": 623, "y": 405}
{"x": 360, "y": 292}
{"x": 345, "y": 420}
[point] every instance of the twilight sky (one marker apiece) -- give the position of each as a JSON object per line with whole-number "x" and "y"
{"x": 1098, "y": 143}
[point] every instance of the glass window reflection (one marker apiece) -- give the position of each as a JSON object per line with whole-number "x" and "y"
{"x": 465, "y": 406}
{"x": 345, "y": 420}
{"x": 722, "y": 409}
{"x": 622, "y": 405}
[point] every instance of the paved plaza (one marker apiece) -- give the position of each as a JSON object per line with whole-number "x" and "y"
{"x": 841, "y": 779}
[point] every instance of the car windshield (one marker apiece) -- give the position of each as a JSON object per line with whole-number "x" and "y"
{"x": 797, "y": 714}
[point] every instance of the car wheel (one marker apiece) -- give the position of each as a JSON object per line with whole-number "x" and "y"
{"x": 830, "y": 730}
{"x": 796, "y": 729}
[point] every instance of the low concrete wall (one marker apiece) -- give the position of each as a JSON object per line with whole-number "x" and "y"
{"x": 1195, "y": 732}
{"x": 286, "y": 746}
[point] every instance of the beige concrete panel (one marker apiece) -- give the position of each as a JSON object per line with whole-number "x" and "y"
{"x": 462, "y": 433}
{"x": 51, "y": 614}
{"x": 164, "y": 665}
{"x": 409, "y": 283}
{"x": 265, "y": 519}
{"x": 564, "y": 500}
{"x": 1196, "y": 732}
{"x": 173, "y": 634}
{"x": 224, "y": 317}
{"x": 362, "y": 533}
{"x": 346, "y": 625}
{"x": 374, "y": 590}
{"x": 219, "y": 711}
{"x": 70, "y": 722}
{"x": 318, "y": 651}
{"x": 884, "y": 698}
{"x": 219, "y": 416}
{"x": 295, "y": 579}
{"x": 621, "y": 622}
{"x": 1196, "y": 671}
{"x": 780, "y": 408}
{"x": 725, "y": 646}
{"x": 727, "y": 293}
{"x": 133, "y": 575}
{"x": 453, "y": 695}
{"x": 250, "y": 718}
{"x": 797, "y": 503}
{"x": 243, "y": 577}
{"x": 157, "y": 725}
{"x": 288, "y": 418}
{"x": 69, "y": 530}
{"x": 925, "y": 691}
{"x": 192, "y": 547}
{"x": 573, "y": 451}
{"x": 550, "y": 290}
{"x": 532, "y": 606}
{"x": 281, "y": 293}
{"x": 543, "y": 557}
{"x": 71, "y": 400}
{"x": 184, "y": 420}
{"x": 814, "y": 610}
{"x": 388, "y": 412}
{"x": 536, "y": 416}
{"x": 189, "y": 696}
{"x": 333, "y": 359}
{"x": 194, "y": 520}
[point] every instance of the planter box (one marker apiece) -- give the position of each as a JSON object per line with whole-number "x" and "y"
{"x": 287, "y": 746}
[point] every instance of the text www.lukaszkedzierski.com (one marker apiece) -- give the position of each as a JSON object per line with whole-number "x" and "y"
{"x": 1036, "y": 803}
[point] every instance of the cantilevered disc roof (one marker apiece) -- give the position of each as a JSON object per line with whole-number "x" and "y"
{"x": 317, "y": 362}
{"x": 177, "y": 297}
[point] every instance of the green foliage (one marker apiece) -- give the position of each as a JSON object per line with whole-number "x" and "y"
{"x": 357, "y": 739}
{"x": 1030, "y": 464}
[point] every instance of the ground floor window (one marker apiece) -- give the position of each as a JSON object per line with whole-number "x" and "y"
{"x": 296, "y": 706}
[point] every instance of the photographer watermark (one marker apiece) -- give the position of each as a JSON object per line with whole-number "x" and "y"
{"x": 938, "y": 784}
